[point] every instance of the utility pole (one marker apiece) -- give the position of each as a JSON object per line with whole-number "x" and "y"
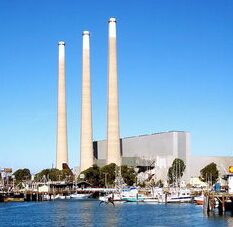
{"x": 105, "y": 178}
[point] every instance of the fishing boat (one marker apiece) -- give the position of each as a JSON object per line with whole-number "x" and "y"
{"x": 133, "y": 200}
{"x": 180, "y": 195}
{"x": 121, "y": 195}
{"x": 13, "y": 198}
{"x": 150, "y": 200}
{"x": 199, "y": 200}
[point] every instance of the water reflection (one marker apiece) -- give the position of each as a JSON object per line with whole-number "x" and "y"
{"x": 71, "y": 213}
{"x": 217, "y": 217}
{"x": 61, "y": 213}
{"x": 85, "y": 212}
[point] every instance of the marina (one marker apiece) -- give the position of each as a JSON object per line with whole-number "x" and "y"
{"x": 116, "y": 113}
{"x": 89, "y": 213}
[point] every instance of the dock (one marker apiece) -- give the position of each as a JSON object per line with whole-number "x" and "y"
{"x": 218, "y": 201}
{"x": 49, "y": 195}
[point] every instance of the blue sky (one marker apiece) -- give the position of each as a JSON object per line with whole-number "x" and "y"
{"x": 175, "y": 67}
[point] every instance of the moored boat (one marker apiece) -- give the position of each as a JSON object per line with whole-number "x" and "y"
{"x": 180, "y": 195}
{"x": 133, "y": 200}
{"x": 199, "y": 200}
{"x": 13, "y": 199}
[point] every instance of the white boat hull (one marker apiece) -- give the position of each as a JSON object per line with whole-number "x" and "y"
{"x": 80, "y": 196}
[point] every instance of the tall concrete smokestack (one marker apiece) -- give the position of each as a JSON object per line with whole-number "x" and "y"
{"x": 113, "y": 137}
{"x": 86, "y": 153}
{"x": 62, "y": 150}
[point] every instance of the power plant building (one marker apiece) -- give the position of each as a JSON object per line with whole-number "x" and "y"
{"x": 158, "y": 151}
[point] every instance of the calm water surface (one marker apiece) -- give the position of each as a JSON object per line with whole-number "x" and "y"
{"x": 73, "y": 213}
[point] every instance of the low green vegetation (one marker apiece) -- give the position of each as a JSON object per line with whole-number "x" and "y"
{"x": 210, "y": 173}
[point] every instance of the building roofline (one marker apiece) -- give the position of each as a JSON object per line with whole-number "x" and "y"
{"x": 156, "y": 133}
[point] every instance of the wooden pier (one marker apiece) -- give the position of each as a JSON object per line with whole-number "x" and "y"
{"x": 50, "y": 195}
{"x": 221, "y": 201}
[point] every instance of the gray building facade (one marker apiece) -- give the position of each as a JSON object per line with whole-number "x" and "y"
{"x": 158, "y": 150}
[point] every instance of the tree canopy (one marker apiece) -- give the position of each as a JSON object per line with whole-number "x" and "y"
{"x": 92, "y": 176}
{"x": 128, "y": 174}
{"x": 22, "y": 174}
{"x": 106, "y": 175}
{"x": 210, "y": 173}
{"x": 176, "y": 171}
{"x": 53, "y": 175}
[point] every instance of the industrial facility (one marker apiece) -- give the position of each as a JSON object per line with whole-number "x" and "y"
{"x": 156, "y": 151}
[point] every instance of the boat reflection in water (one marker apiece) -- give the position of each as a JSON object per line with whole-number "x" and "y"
{"x": 80, "y": 196}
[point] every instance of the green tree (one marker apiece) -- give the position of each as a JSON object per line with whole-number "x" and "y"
{"x": 66, "y": 174}
{"x": 47, "y": 174}
{"x": 108, "y": 174}
{"x": 176, "y": 171}
{"x": 210, "y": 173}
{"x": 128, "y": 175}
{"x": 105, "y": 176}
{"x": 22, "y": 174}
{"x": 92, "y": 175}
{"x": 53, "y": 175}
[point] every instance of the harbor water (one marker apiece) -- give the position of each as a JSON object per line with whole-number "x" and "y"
{"x": 71, "y": 213}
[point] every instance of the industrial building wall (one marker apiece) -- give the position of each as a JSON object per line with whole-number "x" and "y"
{"x": 158, "y": 146}
{"x": 102, "y": 149}
{"x": 183, "y": 145}
{"x": 148, "y": 146}
{"x": 163, "y": 148}
{"x": 184, "y": 151}
{"x": 199, "y": 162}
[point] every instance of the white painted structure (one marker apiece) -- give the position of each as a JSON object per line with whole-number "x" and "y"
{"x": 62, "y": 148}
{"x": 86, "y": 149}
{"x": 113, "y": 131}
{"x": 43, "y": 188}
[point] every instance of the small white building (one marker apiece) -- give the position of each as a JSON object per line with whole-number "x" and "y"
{"x": 197, "y": 183}
{"x": 43, "y": 188}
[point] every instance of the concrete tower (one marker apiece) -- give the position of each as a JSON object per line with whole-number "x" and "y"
{"x": 62, "y": 150}
{"x": 86, "y": 153}
{"x": 113, "y": 134}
